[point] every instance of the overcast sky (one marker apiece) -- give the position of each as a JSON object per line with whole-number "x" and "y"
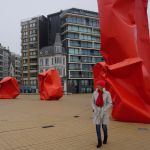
{"x": 13, "y": 11}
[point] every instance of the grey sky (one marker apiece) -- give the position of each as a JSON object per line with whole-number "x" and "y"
{"x": 13, "y": 11}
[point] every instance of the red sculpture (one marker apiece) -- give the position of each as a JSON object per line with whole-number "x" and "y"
{"x": 50, "y": 87}
{"x": 126, "y": 50}
{"x": 9, "y": 88}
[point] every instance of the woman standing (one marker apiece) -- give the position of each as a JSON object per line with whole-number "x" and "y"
{"x": 101, "y": 102}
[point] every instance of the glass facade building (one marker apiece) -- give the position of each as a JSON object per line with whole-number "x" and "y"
{"x": 81, "y": 39}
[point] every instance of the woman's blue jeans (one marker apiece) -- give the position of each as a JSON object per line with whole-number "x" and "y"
{"x": 98, "y": 131}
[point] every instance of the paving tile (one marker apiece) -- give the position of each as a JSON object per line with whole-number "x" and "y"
{"x": 22, "y": 121}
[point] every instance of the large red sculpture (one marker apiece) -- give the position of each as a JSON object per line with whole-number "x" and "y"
{"x": 126, "y": 50}
{"x": 9, "y": 88}
{"x": 50, "y": 87}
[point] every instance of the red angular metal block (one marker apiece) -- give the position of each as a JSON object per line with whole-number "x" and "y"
{"x": 50, "y": 87}
{"x": 125, "y": 48}
{"x": 9, "y": 88}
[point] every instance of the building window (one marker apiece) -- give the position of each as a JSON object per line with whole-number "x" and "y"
{"x": 25, "y": 40}
{"x": 33, "y": 45}
{"x": 84, "y": 82}
{"x": 32, "y": 25}
{"x": 86, "y": 59}
{"x": 76, "y": 20}
{"x": 41, "y": 62}
{"x": 33, "y": 39}
{"x": 33, "y": 53}
{"x": 33, "y": 82}
{"x": 72, "y": 35}
{"x": 86, "y": 44}
{"x": 33, "y": 60}
{"x": 25, "y": 75}
{"x": 75, "y": 74}
{"x": 58, "y": 60}
{"x": 98, "y": 59}
{"x": 47, "y": 62}
{"x": 85, "y": 37}
{"x": 58, "y": 49}
{"x": 33, "y": 75}
{"x": 60, "y": 70}
{"x": 25, "y": 33}
{"x": 74, "y": 59}
{"x": 94, "y": 38}
{"x": 25, "y": 26}
{"x": 72, "y": 82}
{"x": 64, "y": 61}
{"x": 25, "y": 61}
{"x": 25, "y": 54}
{"x": 64, "y": 72}
{"x": 96, "y": 31}
{"x": 74, "y": 51}
{"x": 33, "y": 67}
{"x": 25, "y": 68}
{"x": 87, "y": 67}
{"x": 52, "y": 61}
{"x": 24, "y": 47}
{"x": 74, "y": 66}
{"x": 97, "y": 46}
{"x": 75, "y": 43}
{"x": 31, "y": 32}
{"x": 85, "y": 52}
{"x": 86, "y": 74}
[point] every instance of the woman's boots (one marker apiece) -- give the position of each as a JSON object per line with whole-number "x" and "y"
{"x": 105, "y": 139}
{"x": 99, "y": 143}
{"x": 98, "y": 131}
{"x": 105, "y": 133}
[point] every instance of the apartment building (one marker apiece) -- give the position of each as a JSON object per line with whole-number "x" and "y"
{"x": 81, "y": 39}
{"x": 4, "y": 61}
{"x": 33, "y": 37}
{"x": 15, "y": 66}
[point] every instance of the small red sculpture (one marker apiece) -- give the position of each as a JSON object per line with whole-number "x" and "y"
{"x": 50, "y": 87}
{"x": 9, "y": 88}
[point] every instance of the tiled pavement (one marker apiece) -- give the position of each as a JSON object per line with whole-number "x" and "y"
{"x": 22, "y": 121}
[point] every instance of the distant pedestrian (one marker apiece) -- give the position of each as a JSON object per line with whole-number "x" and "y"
{"x": 101, "y": 102}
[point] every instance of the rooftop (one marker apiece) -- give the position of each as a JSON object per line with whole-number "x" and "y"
{"x": 50, "y": 50}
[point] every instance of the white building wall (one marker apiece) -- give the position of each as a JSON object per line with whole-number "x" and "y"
{"x": 58, "y": 61}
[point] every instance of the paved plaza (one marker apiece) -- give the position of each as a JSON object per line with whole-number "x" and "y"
{"x": 26, "y": 123}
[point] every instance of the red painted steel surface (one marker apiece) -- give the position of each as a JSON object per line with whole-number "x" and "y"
{"x": 126, "y": 50}
{"x": 50, "y": 87}
{"x": 9, "y": 88}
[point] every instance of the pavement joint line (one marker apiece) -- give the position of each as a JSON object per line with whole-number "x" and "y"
{"x": 50, "y": 141}
{"x": 17, "y": 130}
{"x": 143, "y": 129}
